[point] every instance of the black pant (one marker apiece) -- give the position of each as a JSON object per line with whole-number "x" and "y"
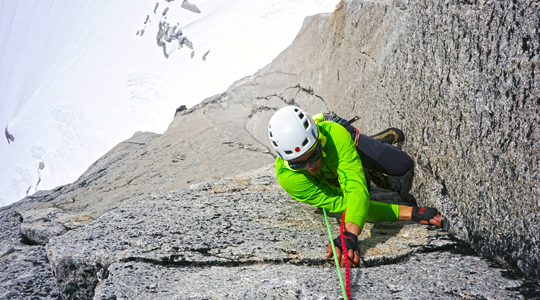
{"x": 383, "y": 157}
{"x": 380, "y": 156}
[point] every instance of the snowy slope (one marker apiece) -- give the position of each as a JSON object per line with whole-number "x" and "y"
{"x": 77, "y": 77}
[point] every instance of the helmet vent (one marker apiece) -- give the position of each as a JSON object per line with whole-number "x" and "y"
{"x": 292, "y": 132}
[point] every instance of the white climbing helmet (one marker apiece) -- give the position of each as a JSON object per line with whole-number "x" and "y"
{"x": 292, "y": 132}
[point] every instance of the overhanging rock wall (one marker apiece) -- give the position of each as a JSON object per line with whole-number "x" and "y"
{"x": 461, "y": 79}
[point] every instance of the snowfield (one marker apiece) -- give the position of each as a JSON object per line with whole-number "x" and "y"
{"x": 78, "y": 77}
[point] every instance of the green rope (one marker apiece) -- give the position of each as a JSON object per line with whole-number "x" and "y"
{"x": 335, "y": 256}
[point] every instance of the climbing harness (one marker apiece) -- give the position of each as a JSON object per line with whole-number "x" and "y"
{"x": 345, "y": 289}
{"x": 332, "y": 116}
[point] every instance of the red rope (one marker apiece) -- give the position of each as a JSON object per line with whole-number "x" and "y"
{"x": 345, "y": 257}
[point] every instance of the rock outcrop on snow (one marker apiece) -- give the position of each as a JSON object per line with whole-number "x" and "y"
{"x": 196, "y": 213}
{"x": 9, "y": 137}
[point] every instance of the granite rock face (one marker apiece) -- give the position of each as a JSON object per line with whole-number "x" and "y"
{"x": 417, "y": 278}
{"x": 25, "y": 272}
{"x": 238, "y": 237}
{"x": 243, "y": 237}
{"x": 461, "y": 79}
{"x": 196, "y": 213}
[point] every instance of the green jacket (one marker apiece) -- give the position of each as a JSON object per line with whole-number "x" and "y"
{"x": 341, "y": 162}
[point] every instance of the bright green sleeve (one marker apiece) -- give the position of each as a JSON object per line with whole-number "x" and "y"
{"x": 351, "y": 176}
{"x": 310, "y": 189}
{"x": 314, "y": 190}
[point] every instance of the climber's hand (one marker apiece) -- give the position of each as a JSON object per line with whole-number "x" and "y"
{"x": 354, "y": 256}
{"x": 353, "y": 251}
{"x": 427, "y": 215}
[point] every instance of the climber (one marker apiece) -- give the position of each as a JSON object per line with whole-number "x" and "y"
{"x": 318, "y": 163}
